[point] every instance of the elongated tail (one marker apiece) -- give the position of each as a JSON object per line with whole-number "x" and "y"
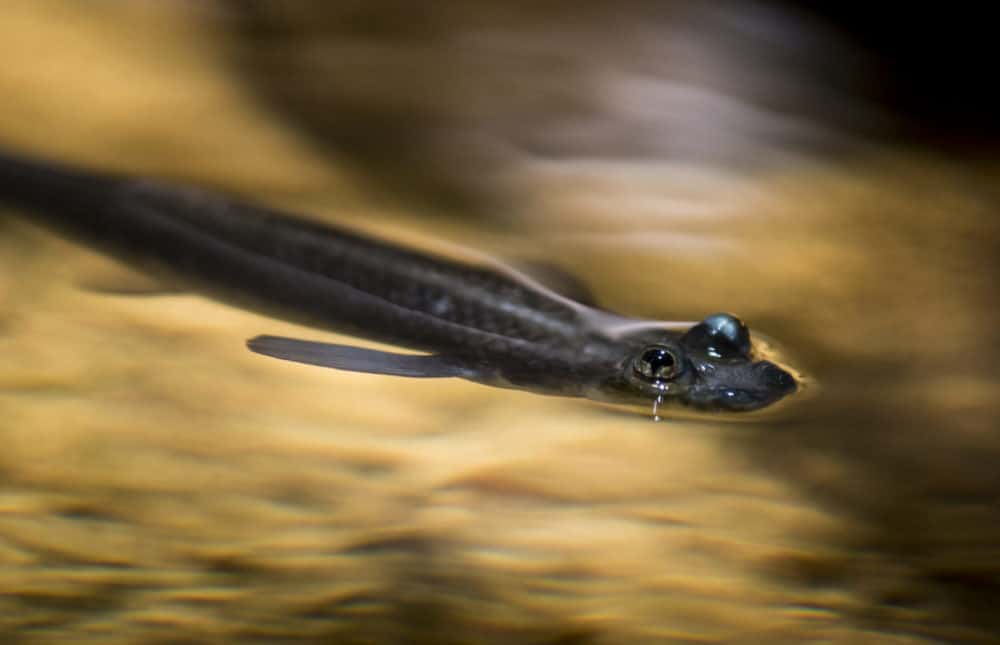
{"x": 71, "y": 200}
{"x": 283, "y": 265}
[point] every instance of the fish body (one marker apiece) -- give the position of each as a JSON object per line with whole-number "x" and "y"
{"x": 488, "y": 324}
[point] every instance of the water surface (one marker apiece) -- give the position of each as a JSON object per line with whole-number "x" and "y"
{"x": 160, "y": 483}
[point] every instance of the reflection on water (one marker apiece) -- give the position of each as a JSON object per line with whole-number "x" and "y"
{"x": 160, "y": 483}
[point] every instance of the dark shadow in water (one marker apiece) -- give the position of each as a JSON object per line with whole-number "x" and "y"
{"x": 441, "y": 104}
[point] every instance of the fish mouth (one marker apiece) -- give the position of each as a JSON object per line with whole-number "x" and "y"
{"x": 733, "y": 400}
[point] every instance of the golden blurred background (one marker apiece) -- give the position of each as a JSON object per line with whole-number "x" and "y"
{"x": 160, "y": 484}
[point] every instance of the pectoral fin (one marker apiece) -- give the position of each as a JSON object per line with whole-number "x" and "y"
{"x": 356, "y": 359}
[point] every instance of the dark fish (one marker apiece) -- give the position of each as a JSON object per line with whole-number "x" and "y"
{"x": 491, "y": 325}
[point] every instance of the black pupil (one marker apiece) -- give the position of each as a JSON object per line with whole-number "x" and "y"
{"x": 658, "y": 361}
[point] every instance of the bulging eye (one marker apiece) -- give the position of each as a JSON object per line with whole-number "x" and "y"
{"x": 720, "y": 336}
{"x": 657, "y": 363}
{"x": 731, "y": 328}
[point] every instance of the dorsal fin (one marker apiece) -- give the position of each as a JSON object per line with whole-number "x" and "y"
{"x": 557, "y": 279}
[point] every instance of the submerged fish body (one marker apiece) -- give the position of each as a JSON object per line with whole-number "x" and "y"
{"x": 491, "y": 325}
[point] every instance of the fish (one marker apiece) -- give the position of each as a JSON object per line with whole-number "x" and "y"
{"x": 483, "y": 322}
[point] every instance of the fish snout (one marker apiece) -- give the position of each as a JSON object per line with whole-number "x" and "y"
{"x": 775, "y": 378}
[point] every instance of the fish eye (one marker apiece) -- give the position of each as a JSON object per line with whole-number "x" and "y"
{"x": 656, "y": 363}
{"x": 721, "y": 335}
{"x": 731, "y": 328}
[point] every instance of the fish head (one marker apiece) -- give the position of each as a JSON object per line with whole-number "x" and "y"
{"x": 710, "y": 367}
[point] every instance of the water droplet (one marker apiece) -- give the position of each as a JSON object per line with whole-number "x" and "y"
{"x": 656, "y": 406}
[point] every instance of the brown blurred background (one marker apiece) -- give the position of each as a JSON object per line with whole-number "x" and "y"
{"x": 830, "y": 177}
